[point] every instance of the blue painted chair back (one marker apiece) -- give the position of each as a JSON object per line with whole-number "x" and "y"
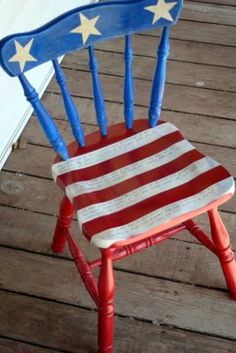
{"x": 84, "y": 27}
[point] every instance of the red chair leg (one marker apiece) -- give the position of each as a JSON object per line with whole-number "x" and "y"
{"x": 106, "y": 290}
{"x": 63, "y": 222}
{"x": 221, "y": 240}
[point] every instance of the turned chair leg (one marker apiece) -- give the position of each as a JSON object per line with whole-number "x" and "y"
{"x": 221, "y": 240}
{"x": 106, "y": 290}
{"x": 63, "y": 222}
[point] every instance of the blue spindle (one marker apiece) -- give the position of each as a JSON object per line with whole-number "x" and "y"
{"x": 128, "y": 84}
{"x": 44, "y": 118}
{"x": 159, "y": 79}
{"x": 97, "y": 93}
{"x": 70, "y": 107}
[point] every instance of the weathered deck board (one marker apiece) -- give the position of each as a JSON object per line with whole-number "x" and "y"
{"x": 35, "y": 160}
{"x": 13, "y": 346}
{"x": 220, "y": 129}
{"x": 217, "y": 2}
{"x": 191, "y": 74}
{"x": 204, "y": 32}
{"x": 193, "y": 264}
{"x": 34, "y": 231}
{"x": 73, "y": 329}
{"x": 204, "y": 12}
{"x": 210, "y": 130}
{"x": 164, "y": 300}
{"x": 187, "y": 51}
{"x": 199, "y": 101}
{"x": 32, "y": 193}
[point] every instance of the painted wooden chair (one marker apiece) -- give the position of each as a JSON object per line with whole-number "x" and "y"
{"x": 132, "y": 184}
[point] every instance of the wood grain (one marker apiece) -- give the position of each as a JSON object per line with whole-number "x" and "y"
{"x": 178, "y": 98}
{"x": 34, "y": 232}
{"x": 56, "y": 279}
{"x": 187, "y": 51}
{"x": 203, "y": 32}
{"x": 217, "y": 2}
{"x": 205, "y": 12}
{"x": 192, "y": 264}
{"x": 36, "y": 160}
{"x": 210, "y": 130}
{"x": 12, "y": 346}
{"x": 190, "y": 74}
{"x": 73, "y": 329}
{"x": 42, "y": 195}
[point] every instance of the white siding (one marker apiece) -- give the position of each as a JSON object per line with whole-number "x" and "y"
{"x": 17, "y": 16}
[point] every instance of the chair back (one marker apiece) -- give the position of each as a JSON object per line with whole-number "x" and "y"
{"x": 84, "y": 27}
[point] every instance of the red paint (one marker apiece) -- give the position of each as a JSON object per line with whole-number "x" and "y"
{"x": 221, "y": 240}
{"x": 106, "y": 291}
{"x": 122, "y": 160}
{"x": 142, "y": 179}
{"x": 63, "y": 223}
{"x": 155, "y": 202}
{"x": 129, "y": 249}
{"x": 102, "y": 290}
{"x": 83, "y": 267}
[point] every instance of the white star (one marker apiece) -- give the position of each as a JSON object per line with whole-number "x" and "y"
{"x": 22, "y": 55}
{"x": 161, "y": 10}
{"x": 87, "y": 27}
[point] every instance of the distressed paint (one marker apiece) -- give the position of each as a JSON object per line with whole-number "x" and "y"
{"x": 80, "y": 28}
{"x": 128, "y": 84}
{"x": 70, "y": 107}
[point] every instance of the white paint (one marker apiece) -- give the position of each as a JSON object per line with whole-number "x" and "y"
{"x": 125, "y": 173}
{"x": 164, "y": 215}
{"x": 146, "y": 191}
{"x": 18, "y": 16}
{"x": 111, "y": 151}
{"x": 200, "y": 83}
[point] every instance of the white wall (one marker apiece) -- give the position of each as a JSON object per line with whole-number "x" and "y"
{"x": 18, "y": 16}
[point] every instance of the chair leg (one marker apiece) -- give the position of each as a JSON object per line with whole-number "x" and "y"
{"x": 221, "y": 240}
{"x": 106, "y": 290}
{"x": 63, "y": 222}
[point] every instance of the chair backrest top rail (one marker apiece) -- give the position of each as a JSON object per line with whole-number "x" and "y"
{"x": 83, "y": 27}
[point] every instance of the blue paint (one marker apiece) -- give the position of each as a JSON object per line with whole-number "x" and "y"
{"x": 70, "y": 107}
{"x": 63, "y": 35}
{"x": 128, "y": 84}
{"x": 116, "y": 18}
{"x": 44, "y": 118}
{"x": 97, "y": 93}
{"x": 159, "y": 79}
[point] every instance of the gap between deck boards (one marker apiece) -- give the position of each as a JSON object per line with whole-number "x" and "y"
{"x": 81, "y": 335}
{"x": 179, "y": 305}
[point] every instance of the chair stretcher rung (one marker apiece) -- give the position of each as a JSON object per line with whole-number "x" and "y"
{"x": 130, "y": 249}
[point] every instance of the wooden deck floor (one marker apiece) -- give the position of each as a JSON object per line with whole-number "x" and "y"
{"x": 171, "y": 298}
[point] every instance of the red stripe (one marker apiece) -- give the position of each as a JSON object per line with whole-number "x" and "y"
{"x": 155, "y": 202}
{"x": 120, "y": 161}
{"x": 121, "y": 188}
{"x": 116, "y": 132}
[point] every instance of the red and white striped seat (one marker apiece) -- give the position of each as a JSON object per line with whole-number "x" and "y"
{"x": 134, "y": 184}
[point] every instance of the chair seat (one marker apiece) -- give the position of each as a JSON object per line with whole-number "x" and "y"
{"x": 133, "y": 184}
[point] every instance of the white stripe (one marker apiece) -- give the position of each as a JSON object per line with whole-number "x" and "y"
{"x": 92, "y": 158}
{"x": 148, "y": 190}
{"x": 127, "y": 172}
{"x": 165, "y": 214}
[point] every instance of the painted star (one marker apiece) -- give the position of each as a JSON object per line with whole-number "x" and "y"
{"x": 22, "y": 55}
{"x": 161, "y": 10}
{"x": 87, "y": 27}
